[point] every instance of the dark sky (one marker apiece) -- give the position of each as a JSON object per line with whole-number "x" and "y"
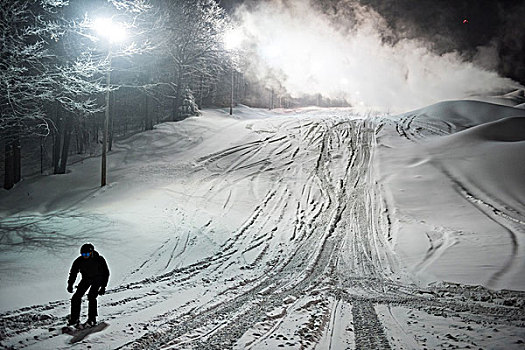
{"x": 491, "y": 23}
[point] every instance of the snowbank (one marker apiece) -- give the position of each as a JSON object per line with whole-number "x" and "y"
{"x": 455, "y": 179}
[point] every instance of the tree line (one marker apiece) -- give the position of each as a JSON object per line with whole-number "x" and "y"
{"x": 55, "y": 69}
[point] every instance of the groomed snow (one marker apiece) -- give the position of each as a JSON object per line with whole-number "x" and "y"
{"x": 456, "y": 182}
{"x": 304, "y": 228}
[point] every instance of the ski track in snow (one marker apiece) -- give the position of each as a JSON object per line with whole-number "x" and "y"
{"x": 310, "y": 268}
{"x": 415, "y": 128}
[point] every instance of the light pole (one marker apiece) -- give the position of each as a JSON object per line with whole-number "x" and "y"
{"x": 232, "y": 40}
{"x": 112, "y": 32}
{"x": 106, "y": 126}
{"x": 231, "y": 99}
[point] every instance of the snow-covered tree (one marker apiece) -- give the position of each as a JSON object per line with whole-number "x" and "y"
{"x": 53, "y": 69}
{"x": 189, "y": 39}
{"x": 188, "y": 106}
{"x": 23, "y": 79}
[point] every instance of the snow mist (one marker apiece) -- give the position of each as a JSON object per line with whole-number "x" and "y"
{"x": 294, "y": 46}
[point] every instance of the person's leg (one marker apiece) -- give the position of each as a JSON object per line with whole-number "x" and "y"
{"x": 92, "y": 298}
{"x": 76, "y": 300}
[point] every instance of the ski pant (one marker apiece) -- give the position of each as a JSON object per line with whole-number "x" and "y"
{"x": 76, "y": 300}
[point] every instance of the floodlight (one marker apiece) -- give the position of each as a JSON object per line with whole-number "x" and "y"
{"x": 112, "y": 31}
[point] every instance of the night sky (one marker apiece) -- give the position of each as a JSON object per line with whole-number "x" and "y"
{"x": 497, "y": 25}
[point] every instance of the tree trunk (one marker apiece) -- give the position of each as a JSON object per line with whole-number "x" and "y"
{"x": 201, "y": 91}
{"x": 79, "y": 138}
{"x": 9, "y": 175}
{"x": 42, "y": 149}
{"x": 56, "y": 150}
{"x": 17, "y": 160}
{"x": 112, "y": 110}
{"x": 178, "y": 94}
{"x": 86, "y": 135}
{"x": 148, "y": 123}
{"x": 57, "y": 138}
{"x": 95, "y": 132}
{"x": 65, "y": 145}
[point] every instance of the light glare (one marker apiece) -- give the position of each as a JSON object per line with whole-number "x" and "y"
{"x": 111, "y": 31}
{"x": 233, "y": 39}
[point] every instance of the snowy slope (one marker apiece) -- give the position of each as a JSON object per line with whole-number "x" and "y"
{"x": 456, "y": 180}
{"x": 308, "y": 228}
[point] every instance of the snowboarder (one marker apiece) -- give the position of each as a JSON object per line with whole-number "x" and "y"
{"x": 95, "y": 275}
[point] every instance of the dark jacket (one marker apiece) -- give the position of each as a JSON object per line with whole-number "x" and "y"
{"x": 93, "y": 268}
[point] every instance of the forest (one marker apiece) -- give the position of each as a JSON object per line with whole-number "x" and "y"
{"x": 78, "y": 74}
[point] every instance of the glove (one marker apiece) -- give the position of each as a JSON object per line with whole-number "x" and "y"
{"x": 102, "y": 291}
{"x": 70, "y": 289}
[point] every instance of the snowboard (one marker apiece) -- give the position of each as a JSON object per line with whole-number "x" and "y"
{"x": 79, "y": 334}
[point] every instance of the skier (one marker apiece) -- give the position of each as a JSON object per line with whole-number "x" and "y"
{"x": 95, "y": 275}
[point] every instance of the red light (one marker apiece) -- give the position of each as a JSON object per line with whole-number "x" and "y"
{"x": 465, "y": 21}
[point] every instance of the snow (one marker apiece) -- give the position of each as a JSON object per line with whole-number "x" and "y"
{"x": 460, "y": 197}
{"x": 306, "y": 228}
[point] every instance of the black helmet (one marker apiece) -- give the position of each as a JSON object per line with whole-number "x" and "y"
{"x": 87, "y": 248}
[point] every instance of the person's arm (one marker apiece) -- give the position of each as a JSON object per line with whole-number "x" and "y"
{"x": 72, "y": 275}
{"x": 105, "y": 272}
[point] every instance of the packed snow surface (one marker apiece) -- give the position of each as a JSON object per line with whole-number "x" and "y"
{"x": 301, "y": 229}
